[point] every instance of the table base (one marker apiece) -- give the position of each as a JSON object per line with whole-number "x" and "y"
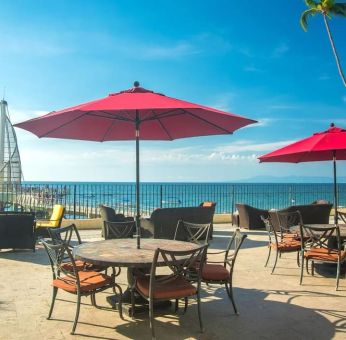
{"x": 141, "y": 304}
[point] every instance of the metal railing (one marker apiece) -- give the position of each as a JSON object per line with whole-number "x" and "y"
{"x": 83, "y": 199}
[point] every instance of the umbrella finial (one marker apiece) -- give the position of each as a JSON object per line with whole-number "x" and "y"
{"x": 136, "y": 84}
{"x": 332, "y": 124}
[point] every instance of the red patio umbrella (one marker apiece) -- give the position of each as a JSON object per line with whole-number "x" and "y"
{"x": 137, "y": 114}
{"x": 321, "y": 146}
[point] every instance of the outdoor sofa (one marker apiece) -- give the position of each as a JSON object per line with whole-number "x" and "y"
{"x": 163, "y": 221}
{"x": 17, "y": 230}
{"x": 315, "y": 213}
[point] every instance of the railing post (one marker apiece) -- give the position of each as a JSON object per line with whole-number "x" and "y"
{"x": 74, "y": 201}
{"x": 161, "y": 196}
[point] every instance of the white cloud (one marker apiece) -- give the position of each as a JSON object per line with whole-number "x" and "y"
{"x": 280, "y": 50}
{"x": 254, "y": 69}
{"x": 250, "y": 146}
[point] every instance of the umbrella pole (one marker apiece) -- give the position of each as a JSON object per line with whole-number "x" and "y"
{"x": 335, "y": 191}
{"x": 138, "y": 226}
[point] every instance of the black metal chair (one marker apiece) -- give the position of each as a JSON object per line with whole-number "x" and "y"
{"x": 316, "y": 248}
{"x": 281, "y": 244}
{"x": 183, "y": 281}
{"x": 71, "y": 237}
{"x": 115, "y": 230}
{"x": 192, "y": 232}
{"x": 221, "y": 272}
{"x": 77, "y": 282}
{"x": 287, "y": 220}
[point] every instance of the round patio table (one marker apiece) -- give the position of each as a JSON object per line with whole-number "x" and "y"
{"x": 124, "y": 253}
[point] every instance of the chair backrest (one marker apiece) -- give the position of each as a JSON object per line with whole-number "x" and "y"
{"x": 288, "y": 219}
{"x": 58, "y": 254}
{"x": 116, "y": 230}
{"x": 109, "y": 214}
{"x": 319, "y": 237}
{"x": 342, "y": 216}
{"x": 233, "y": 247}
{"x": 272, "y": 233}
{"x": 187, "y": 264}
{"x": 192, "y": 232}
{"x": 65, "y": 235}
{"x": 57, "y": 215}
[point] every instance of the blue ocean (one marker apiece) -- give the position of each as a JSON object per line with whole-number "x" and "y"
{"x": 85, "y": 197}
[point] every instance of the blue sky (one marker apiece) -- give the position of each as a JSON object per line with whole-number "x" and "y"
{"x": 248, "y": 58}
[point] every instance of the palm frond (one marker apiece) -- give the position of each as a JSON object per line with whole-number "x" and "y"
{"x": 304, "y": 17}
{"x": 311, "y": 3}
{"x": 339, "y": 9}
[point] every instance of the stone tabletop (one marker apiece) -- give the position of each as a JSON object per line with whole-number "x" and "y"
{"x": 124, "y": 252}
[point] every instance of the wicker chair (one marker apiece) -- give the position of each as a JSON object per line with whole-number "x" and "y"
{"x": 250, "y": 217}
{"x": 77, "y": 282}
{"x": 280, "y": 243}
{"x": 221, "y": 272}
{"x": 316, "y": 248}
{"x": 183, "y": 281}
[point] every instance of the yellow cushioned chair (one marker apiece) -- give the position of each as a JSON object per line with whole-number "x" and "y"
{"x": 53, "y": 222}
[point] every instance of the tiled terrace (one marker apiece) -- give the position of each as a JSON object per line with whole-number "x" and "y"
{"x": 270, "y": 306}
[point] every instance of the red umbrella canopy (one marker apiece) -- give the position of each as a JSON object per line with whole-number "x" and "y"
{"x": 319, "y": 147}
{"x": 113, "y": 118}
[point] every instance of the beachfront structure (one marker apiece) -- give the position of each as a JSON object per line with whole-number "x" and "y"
{"x": 10, "y": 165}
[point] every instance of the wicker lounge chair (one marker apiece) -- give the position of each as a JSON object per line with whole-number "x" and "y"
{"x": 250, "y": 217}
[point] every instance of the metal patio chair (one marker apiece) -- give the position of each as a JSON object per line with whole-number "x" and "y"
{"x": 115, "y": 230}
{"x": 221, "y": 272}
{"x": 281, "y": 244}
{"x": 316, "y": 248}
{"x": 71, "y": 237}
{"x": 192, "y": 232}
{"x": 183, "y": 281}
{"x": 77, "y": 282}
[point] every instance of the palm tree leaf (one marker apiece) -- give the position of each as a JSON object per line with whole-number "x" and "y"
{"x": 304, "y": 17}
{"x": 311, "y": 3}
{"x": 338, "y": 9}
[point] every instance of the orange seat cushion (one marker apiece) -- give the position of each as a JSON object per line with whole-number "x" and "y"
{"x": 324, "y": 254}
{"x": 175, "y": 289}
{"x": 207, "y": 204}
{"x": 88, "y": 281}
{"x": 215, "y": 272}
{"x": 81, "y": 265}
{"x": 287, "y": 245}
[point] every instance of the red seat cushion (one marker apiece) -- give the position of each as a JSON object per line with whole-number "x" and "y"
{"x": 215, "y": 272}
{"x": 175, "y": 289}
{"x": 324, "y": 254}
{"x": 88, "y": 281}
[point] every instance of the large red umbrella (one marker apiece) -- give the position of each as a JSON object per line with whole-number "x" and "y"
{"x": 321, "y": 146}
{"x": 137, "y": 114}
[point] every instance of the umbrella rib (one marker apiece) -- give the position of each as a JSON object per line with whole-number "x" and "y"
{"x": 107, "y": 132}
{"x": 170, "y": 113}
{"x": 163, "y": 127}
{"x": 61, "y": 126}
{"x": 208, "y": 122}
{"x": 109, "y": 116}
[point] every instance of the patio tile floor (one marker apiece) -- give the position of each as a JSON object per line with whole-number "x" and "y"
{"x": 270, "y": 306}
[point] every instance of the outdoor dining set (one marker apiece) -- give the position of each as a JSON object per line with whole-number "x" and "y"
{"x": 159, "y": 271}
